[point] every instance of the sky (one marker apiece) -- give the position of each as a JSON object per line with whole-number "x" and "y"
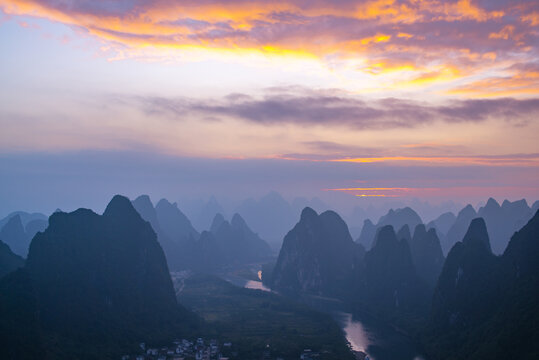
{"x": 355, "y": 101}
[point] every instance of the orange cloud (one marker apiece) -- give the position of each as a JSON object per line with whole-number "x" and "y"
{"x": 504, "y": 33}
{"x": 370, "y": 189}
{"x": 520, "y": 83}
{"x": 532, "y": 160}
{"x": 446, "y": 73}
{"x": 416, "y": 31}
{"x": 375, "y": 195}
{"x": 464, "y": 9}
{"x": 532, "y": 18}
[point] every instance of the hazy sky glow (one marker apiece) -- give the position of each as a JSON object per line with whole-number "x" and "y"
{"x": 367, "y": 89}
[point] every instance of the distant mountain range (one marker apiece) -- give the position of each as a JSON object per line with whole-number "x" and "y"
{"x": 226, "y": 244}
{"x": 270, "y": 216}
{"x": 502, "y": 221}
{"x": 396, "y": 218}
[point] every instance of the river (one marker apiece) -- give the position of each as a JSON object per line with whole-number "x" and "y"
{"x": 377, "y": 339}
{"x": 365, "y": 333}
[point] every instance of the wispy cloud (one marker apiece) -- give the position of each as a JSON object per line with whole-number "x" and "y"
{"x": 323, "y": 109}
{"x": 501, "y": 160}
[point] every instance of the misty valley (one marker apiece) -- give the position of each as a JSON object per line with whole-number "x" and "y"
{"x": 142, "y": 282}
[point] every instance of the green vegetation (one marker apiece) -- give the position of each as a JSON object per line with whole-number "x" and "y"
{"x": 253, "y": 319}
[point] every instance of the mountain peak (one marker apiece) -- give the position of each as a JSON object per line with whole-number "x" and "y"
{"x": 13, "y": 234}
{"x": 404, "y": 233}
{"x": 144, "y": 200}
{"x": 237, "y": 221}
{"x": 317, "y": 255}
{"x": 15, "y": 221}
{"x": 218, "y": 220}
{"x": 477, "y": 234}
{"x": 398, "y": 217}
{"x": 385, "y": 236}
{"x": 164, "y": 203}
{"x": 522, "y": 203}
{"x": 308, "y": 214}
{"x": 468, "y": 210}
{"x": 120, "y": 206}
{"x": 492, "y": 203}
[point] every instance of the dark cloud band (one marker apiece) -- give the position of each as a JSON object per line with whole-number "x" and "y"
{"x": 312, "y": 108}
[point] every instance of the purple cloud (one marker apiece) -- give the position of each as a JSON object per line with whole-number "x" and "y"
{"x": 323, "y": 109}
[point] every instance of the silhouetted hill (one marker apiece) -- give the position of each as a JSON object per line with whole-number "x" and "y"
{"x": 225, "y": 244}
{"x": 216, "y": 223}
{"x": 176, "y": 234}
{"x": 404, "y": 234}
{"x": 387, "y": 283}
{"x": 252, "y": 247}
{"x": 317, "y": 255}
{"x": 396, "y": 218}
{"x": 520, "y": 257}
{"x": 144, "y": 206}
{"x": 503, "y": 221}
{"x": 457, "y": 231}
{"x": 18, "y": 233}
{"x": 485, "y": 307}
{"x": 356, "y": 219}
{"x": 208, "y": 255}
{"x": 368, "y": 233}
{"x": 102, "y": 282}
{"x": 177, "y": 257}
{"x": 25, "y": 217}
{"x": 400, "y": 217}
{"x": 174, "y": 223}
{"x": 460, "y": 300}
{"x": 14, "y": 235}
{"x": 35, "y": 226}
{"x": 427, "y": 254}
{"x": 9, "y": 261}
{"x": 442, "y": 223}
{"x": 239, "y": 244}
{"x": 535, "y": 206}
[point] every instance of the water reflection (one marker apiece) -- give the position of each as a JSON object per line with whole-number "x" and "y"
{"x": 249, "y": 284}
{"x": 354, "y": 331}
{"x": 256, "y": 285}
{"x": 383, "y": 341}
